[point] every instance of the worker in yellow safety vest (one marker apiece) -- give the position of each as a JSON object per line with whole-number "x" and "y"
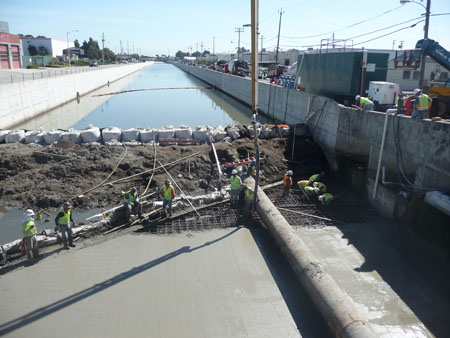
{"x": 321, "y": 187}
{"x": 420, "y": 104}
{"x": 249, "y": 199}
{"x": 168, "y": 194}
{"x": 130, "y": 202}
{"x": 326, "y": 198}
{"x": 236, "y": 186}
{"x": 62, "y": 221}
{"x": 29, "y": 235}
{"x": 364, "y": 103}
{"x": 251, "y": 169}
{"x": 316, "y": 177}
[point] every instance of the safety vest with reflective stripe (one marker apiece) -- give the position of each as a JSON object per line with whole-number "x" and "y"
{"x": 167, "y": 191}
{"x": 309, "y": 190}
{"x": 64, "y": 220}
{"x": 365, "y": 101}
{"x": 252, "y": 169}
{"x": 303, "y": 184}
{"x": 327, "y": 198}
{"x": 235, "y": 183}
{"x": 28, "y": 228}
{"x": 287, "y": 180}
{"x": 129, "y": 197}
{"x": 249, "y": 194}
{"x": 423, "y": 102}
{"x": 315, "y": 177}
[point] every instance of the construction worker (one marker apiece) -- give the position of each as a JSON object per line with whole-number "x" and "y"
{"x": 287, "y": 182}
{"x": 236, "y": 186}
{"x": 421, "y": 103}
{"x": 249, "y": 199}
{"x": 130, "y": 201}
{"x": 168, "y": 193}
{"x": 251, "y": 169}
{"x": 62, "y": 221}
{"x": 321, "y": 188}
{"x": 310, "y": 191}
{"x": 364, "y": 103}
{"x": 316, "y": 177}
{"x": 29, "y": 235}
{"x": 325, "y": 198}
{"x": 303, "y": 183}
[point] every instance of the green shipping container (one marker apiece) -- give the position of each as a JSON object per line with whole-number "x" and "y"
{"x": 338, "y": 75}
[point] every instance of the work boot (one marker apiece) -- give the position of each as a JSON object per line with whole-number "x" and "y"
{"x": 71, "y": 242}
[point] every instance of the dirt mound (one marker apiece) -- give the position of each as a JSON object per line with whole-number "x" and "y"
{"x": 44, "y": 177}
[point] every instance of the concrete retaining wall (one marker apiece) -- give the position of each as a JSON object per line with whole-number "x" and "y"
{"x": 350, "y": 133}
{"x": 22, "y": 101}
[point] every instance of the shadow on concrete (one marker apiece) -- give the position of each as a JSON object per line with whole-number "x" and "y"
{"x": 308, "y": 319}
{"x": 79, "y": 296}
{"x": 23, "y": 261}
{"x": 418, "y": 274}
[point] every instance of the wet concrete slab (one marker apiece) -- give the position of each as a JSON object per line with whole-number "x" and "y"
{"x": 397, "y": 281}
{"x": 219, "y": 283}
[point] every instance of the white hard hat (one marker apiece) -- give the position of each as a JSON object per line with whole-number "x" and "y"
{"x": 320, "y": 198}
{"x": 416, "y": 91}
{"x": 233, "y": 172}
{"x": 357, "y": 97}
{"x": 29, "y": 212}
{"x": 167, "y": 182}
{"x": 290, "y": 173}
{"x": 316, "y": 190}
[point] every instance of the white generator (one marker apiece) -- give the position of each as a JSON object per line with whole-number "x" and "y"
{"x": 384, "y": 93}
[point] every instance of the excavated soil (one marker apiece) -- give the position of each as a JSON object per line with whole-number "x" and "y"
{"x": 42, "y": 178}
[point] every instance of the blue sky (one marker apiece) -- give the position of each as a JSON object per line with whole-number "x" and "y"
{"x": 161, "y": 27}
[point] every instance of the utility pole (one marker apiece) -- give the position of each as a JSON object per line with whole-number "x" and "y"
{"x": 425, "y": 37}
{"x": 201, "y": 47}
{"x": 255, "y": 30}
{"x": 261, "y": 56}
{"x": 128, "y": 48}
{"x": 333, "y": 41}
{"x": 393, "y": 44}
{"x": 121, "y": 50}
{"x": 278, "y": 41}
{"x": 103, "y": 48}
{"x": 239, "y": 31}
{"x": 214, "y": 45}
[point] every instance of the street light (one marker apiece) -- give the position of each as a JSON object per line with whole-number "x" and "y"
{"x": 68, "y": 50}
{"x": 425, "y": 36}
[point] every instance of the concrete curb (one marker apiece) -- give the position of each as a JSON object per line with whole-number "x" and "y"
{"x": 335, "y": 306}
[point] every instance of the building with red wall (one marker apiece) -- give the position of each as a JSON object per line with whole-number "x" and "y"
{"x": 10, "y": 49}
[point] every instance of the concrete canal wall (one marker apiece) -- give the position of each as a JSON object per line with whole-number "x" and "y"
{"x": 22, "y": 101}
{"x": 347, "y": 134}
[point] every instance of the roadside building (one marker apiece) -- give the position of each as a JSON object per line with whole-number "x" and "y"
{"x": 10, "y": 50}
{"x": 44, "y": 46}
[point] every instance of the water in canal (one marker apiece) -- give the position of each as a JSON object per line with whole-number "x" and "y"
{"x": 148, "y": 108}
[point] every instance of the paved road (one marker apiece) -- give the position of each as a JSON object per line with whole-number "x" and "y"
{"x": 20, "y": 75}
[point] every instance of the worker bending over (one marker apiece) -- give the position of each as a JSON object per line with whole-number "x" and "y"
{"x": 326, "y": 198}
{"x": 249, "y": 200}
{"x": 62, "y": 221}
{"x": 364, "y": 103}
{"x": 168, "y": 193}
{"x": 316, "y": 177}
{"x": 287, "y": 182}
{"x": 236, "y": 186}
{"x": 29, "y": 235}
{"x": 251, "y": 169}
{"x": 420, "y": 104}
{"x": 130, "y": 202}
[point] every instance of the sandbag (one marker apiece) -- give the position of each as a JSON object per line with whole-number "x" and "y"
{"x": 218, "y": 134}
{"x": 146, "y": 135}
{"x": 71, "y": 135}
{"x": 15, "y": 136}
{"x": 166, "y": 133}
{"x": 130, "y": 135}
{"x": 52, "y": 136}
{"x": 3, "y": 134}
{"x": 92, "y": 134}
{"x": 201, "y": 134}
{"x": 34, "y": 136}
{"x": 251, "y": 130}
{"x": 111, "y": 133}
{"x": 267, "y": 132}
{"x": 183, "y": 132}
{"x": 233, "y": 132}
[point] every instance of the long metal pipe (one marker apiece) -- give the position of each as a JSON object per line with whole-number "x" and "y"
{"x": 335, "y": 306}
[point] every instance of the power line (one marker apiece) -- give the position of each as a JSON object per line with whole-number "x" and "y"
{"x": 341, "y": 29}
{"x": 381, "y": 36}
